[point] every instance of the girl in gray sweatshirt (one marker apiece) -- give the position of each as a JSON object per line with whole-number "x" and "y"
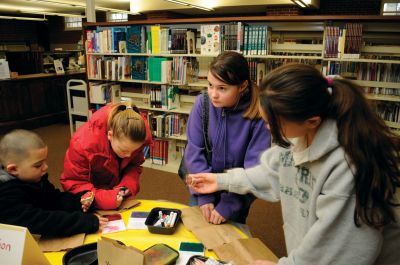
{"x": 335, "y": 169}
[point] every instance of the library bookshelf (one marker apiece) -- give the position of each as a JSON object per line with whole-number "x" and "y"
{"x": 266, "y": 41}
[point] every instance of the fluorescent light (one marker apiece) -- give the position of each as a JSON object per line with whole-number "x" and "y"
{"x": 52, "y": 14}
{"x": 299, "y": 3}
{"x": 190, "y": 5}
{"x": 84, "y": 6}
{"x": 178, "y": 2}
{"x": 23, "y": 18}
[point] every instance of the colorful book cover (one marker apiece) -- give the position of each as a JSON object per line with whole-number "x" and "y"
{"x": 118, "y": 34}
{"x": 134, "y": 39}
{"x": 138, "y": 67}
{"x": 155, "y": 39}
{"x": 210, "y": 39}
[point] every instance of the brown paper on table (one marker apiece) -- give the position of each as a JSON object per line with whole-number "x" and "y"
{"x": 62, "y": 243}
{"x": 209, "y": 234}
{"x": 126, "y": 204}
{"x": 109, "y": 251}
{"x": 192, "y": 218}
{"x": 245, "y": 250}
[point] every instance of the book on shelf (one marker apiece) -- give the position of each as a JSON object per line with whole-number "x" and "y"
{"x": 261, "y": 72}
{"x": 353, "y": 41}
{"x": 159, "y": 152}
{"x": 210, "y": 39}
{"x": 178, "y": 40}
{"x": 191, "y": 41}
{"x": 136, "y": 39}
{"x": 155, "y": 39}
{"x": 343, "y": 42}
{"x": 165, "y": 40}
{"x": 154, "y": 68}
{"x": 256, "y": 39}
{"x": 118, "y": 34}
{"x": 102, "y": 93}
{"x": 139, "y": 67}
{"x": 173, "y": 97}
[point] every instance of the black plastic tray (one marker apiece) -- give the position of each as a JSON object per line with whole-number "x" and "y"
{"x": 153, "y": 217}
{"x": 82, "y": 255}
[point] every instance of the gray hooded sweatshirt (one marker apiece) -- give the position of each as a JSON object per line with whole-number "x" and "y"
{"x": 316, "y": 188}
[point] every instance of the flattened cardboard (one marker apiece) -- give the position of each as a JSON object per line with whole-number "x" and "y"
{"x": 213, "y": 236}
{"x": 209, "y": 234}
{"x": 109, "y": 251}
{"x": 126, "y": 204}
{"x": 250, "y": 249}
{"x": 62, "y": 243}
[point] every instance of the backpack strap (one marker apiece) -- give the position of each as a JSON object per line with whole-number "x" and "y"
{"x": 204, "y": 120}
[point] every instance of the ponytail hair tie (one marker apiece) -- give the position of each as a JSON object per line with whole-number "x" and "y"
{"x": 329, "y": 81}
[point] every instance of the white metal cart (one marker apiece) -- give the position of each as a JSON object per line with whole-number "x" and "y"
{"x": 78, "y": 103}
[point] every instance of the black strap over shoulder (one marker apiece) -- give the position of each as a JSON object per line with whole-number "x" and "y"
{"x": 204, "y": 120}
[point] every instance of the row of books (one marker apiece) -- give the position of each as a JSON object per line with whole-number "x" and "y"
{"x": 164, "y": 150}
{"x": 167, "y": 124}
{"x": 210, "y": 39}
{"x": 389, "y": 111}
{"x": 159, "y": 152}
{"x": 103, "y": 93}
{"x": 109, "y": 68}
{"x": 178, "y": 70}
{"x": 164, "y": 97}
{"x": 343, "y": 42}
{"x": 259, "y": 67}
{"x": 382, "y": 91}
{"x": 370, "y": 71}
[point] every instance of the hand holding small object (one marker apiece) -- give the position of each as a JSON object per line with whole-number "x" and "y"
{"x": 120, "y": 198}
{"x": 124, "y": 191}
{"x": 202, "y": 182}
{"x": 87, "y": 200}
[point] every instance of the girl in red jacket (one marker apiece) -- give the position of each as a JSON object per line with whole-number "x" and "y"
{"x": 105, "y": 155}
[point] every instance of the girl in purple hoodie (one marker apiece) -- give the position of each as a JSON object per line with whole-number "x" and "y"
{"x": 236, "y": 133}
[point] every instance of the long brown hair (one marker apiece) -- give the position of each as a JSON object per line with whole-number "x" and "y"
{"x": 124, "y": 120}
{"x": 232, "y": 68}
{"x": 297, "y": 92}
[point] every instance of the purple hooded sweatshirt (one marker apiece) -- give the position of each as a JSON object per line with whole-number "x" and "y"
{"x": 235, "y": 141}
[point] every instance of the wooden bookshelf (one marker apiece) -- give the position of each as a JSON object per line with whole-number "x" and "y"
{"x": 294, "y": 38}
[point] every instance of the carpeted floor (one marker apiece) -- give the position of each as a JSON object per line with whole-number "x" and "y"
{"x": 265, "y": 219}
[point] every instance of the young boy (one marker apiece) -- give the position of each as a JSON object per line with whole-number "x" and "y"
{"x": 29, "y": 199}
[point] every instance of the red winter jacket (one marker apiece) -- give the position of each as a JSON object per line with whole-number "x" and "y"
{"x": 90, "y": 164}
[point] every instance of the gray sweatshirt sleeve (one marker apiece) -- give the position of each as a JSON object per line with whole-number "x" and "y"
{"x": 333, "y": 238}
{"x": 261, "y": 180}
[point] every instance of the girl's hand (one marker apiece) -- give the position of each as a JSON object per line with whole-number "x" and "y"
{"x": 87, "y": 200}
{"x": 120, "y": 198}
{"x": 202, "y": 182}
{"x": 262, "y": 262}
{"x": 206, "y": 209}
{"x": 216, "y": 218}
{"x": 102, "y": 222}
{"x": 124, "y": 191}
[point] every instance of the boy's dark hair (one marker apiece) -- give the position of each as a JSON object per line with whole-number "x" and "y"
{"x": 233, "y": 69}
{"x": 297, "y": 92}
{"x": 16, "y": 144}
